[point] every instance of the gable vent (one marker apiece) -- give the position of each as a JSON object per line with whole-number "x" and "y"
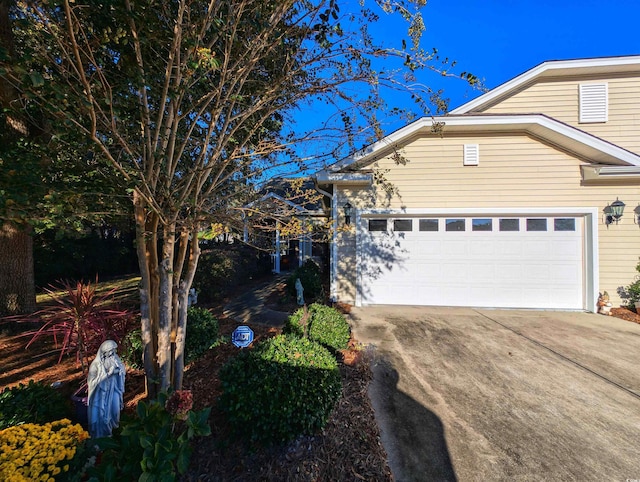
{"x": 471, "y": 155}
{"x": 593, "y": 103}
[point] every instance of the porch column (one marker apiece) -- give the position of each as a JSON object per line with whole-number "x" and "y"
{"x": 276, "y": 259}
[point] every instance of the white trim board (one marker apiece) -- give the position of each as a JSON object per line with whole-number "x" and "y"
{"x": 562, "y": 135}
{"x": 553, "y": 68}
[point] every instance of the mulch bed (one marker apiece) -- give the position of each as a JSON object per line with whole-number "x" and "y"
{"x": 348, "y": 448}
{"x": 626, "y": 314}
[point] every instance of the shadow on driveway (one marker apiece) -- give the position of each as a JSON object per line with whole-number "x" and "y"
{"x": 429, "y": 460}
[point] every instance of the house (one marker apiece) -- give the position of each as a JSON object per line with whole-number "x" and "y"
{"x": 289, "y": 221}
{"x": 511, "y": 200}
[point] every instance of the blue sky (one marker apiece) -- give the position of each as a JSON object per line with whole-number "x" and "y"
{"x": 499, "y": 39}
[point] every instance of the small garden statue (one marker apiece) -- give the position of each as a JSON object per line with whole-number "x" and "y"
{"x": 604, "y": 305}
{"x": 299, "y": 292}
{"x": 192, "y": 298}
{"x": 106, "y": 390}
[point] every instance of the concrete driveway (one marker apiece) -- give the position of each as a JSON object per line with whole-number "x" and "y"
{"x": 475, "y": 394}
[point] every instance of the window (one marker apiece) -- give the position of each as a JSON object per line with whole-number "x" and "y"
{"x": 428, "y": 225}
{"x": 564, "y": 224}
{"x": 481, "y": 225}
{"x": 377, "y": 224}
{"x": 403, "y": 225}
{"x": 508, "y": 224}
{"x": 536, "y": 224}
{"x": 593, "y": 103}
{"x": 454, "y": 224}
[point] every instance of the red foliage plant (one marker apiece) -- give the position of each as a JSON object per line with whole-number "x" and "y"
{"x": 80, "y": 320}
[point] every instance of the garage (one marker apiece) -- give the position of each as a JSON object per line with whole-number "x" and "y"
{"x": 505, "y": 261}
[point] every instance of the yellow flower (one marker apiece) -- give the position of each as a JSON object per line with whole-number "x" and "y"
{"x": 31, "y": 451}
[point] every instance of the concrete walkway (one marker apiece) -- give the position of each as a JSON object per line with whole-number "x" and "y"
{"x": 469, "y": 394}
{"x": 250, "y": 306}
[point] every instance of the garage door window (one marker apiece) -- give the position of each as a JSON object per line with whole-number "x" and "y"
{"x": 403, "y": 225}
{"x": 377, "y": 224}
{"x": 454, "y": 224}
{"x": 509, "y": 224}
{"x": 481, "y": 225}
{"x": 536, "y": 224}
{"x": 428, "y": 225}
{"x": 564, "y": 224}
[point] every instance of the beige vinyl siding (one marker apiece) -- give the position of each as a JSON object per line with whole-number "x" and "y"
{"x": 346, "y": 248}
{"x": 515, "y": 171}
{"x": 560, "y": 99}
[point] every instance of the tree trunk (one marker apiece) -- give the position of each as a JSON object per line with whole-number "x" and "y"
{"x": 17, "y": 289}
{"x": 17, "y": 281}
{"x": 183, "y": 294}
{"x": 164, "y": 291}
{"x": 146, "y": 293}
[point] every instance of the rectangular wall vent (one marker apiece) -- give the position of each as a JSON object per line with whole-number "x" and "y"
{"x": 593, "y": 103}
{"x": 471, "y": 155}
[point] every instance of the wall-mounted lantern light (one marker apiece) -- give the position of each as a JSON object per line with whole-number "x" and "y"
{"x": 614, "y": 211}
{"x": 348, "y": 208}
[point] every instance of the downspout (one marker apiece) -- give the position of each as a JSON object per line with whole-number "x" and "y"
{"x": 333, "y": 251}
{"x": 245, "y": 231}
{"x": 276, "y": 259}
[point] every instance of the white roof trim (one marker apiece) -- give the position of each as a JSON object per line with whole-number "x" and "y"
{"x": 564, "y": 136}
{"x": 611, "y": 173}
{"x": 325, "y": 177}
{"x": 553, "y": 68}
{"x": 272, "y": 195}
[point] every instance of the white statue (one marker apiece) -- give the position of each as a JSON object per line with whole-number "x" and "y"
{"x": 192, "y": 298}
{"x": 106, "y": 390}
{"x": 299, "y": 292}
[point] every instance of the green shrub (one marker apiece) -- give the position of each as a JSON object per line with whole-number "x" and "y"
{"x": 131, "y": 349}
{"x": 202, "y": 333}
{"x": 325, "y": 325}
{"x": 311, "y": 279}
{"x": 284, "y": 387}
{"x": 153, "y": 445}
{"x": 33, "y": 403}
{"x": 631, "y": 293}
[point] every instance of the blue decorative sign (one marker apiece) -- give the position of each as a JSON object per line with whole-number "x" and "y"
{"x": 242, "y": 336}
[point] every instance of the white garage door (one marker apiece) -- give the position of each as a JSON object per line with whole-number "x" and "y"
{"x": 503, "y": 262}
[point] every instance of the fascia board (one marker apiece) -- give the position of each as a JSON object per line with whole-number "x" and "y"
{"x": 327, "y": 177}
{"x": 273, "y": 195}
{"x": 551, "y": 130}
{"x": 397, "y": 137}
{"x": 563, "y": 135}
{"x": 548, "y": 69}
{"x": 610, "y": 173}
{"x": 525, "y": 211}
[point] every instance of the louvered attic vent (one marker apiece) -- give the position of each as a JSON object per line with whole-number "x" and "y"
{"x": 593, "y": 103}
{"x": 471, "y": 155}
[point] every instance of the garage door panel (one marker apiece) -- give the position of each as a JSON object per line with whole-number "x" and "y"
{"x": 479, "y": 273}
{"x": 509, "y": 272}
{"x": 506, "y": 248}
{"x": 454, "y": 246}
{"x": 569, "y": 249}
{"x": 468, "y": 268}
{"x": 482, "y": 248}
{"x": 565, "y": 273}
{"x": 536, "y": 247}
